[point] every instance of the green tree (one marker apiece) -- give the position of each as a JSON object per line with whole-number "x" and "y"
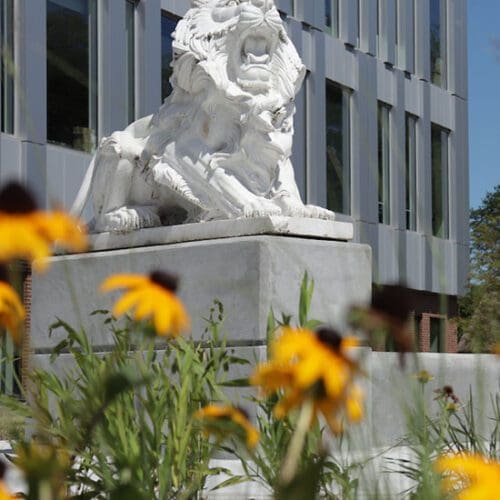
{"x": 479, "y": 309}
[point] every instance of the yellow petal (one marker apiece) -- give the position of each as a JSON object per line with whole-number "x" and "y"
{"x": 126, "y": 302}
{"x": 123, "y": 281}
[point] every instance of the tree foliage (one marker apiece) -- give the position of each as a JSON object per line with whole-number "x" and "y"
{"x": 479, "y": 311}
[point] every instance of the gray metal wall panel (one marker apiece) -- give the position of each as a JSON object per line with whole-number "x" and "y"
{"x": 112, "y": 78}
{"x": 364, "y": 143}
{"x": 388, "y": 255}
{"x": 422, "y": 40}
{"x": 148, "y": 67}
{"x": 389, "y": 31}
{"x": 457, "y": 47}
{"x": 299, "y": 158}
{"x": 406, "y": 36}
{"x": 316, "y": 135}
{"x": 177, "y": 7}
{"x": 31, "y": 82}
{"x": 368, "y": 26}
{"x": 424, "y": 173}
{"x": 34, "y": 168}
{"x": 441, "y": 107}
{"x": 340, "y": 64}
{"x": 348, "y": 21}
{"x": 459, "y": 175}
{"x": 412, "y": 96}
{"x": 385, "y": 84}
{"x": 285, "y": 6}
{"x": 305, "y": 11}
{"x": 10, "y": 158}
{"x": 397, "y": 153}
{"x": 414, "y": 272}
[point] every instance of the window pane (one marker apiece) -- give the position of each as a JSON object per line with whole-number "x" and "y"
{"x": 130, "y": 58}
{"x": 7, "y": 84}
{"x": 438, "y": 42}
{"x": 437, "y": 334}
{"x": 168, "y": 24}
{"x": 439, "y": 181}
{"x": 383, "y": 163}
{"x": 337, "y": 148}
{"x": 411, "y": 172}
{"x": 71, "y": 73}
{"x": 332, "y": 17}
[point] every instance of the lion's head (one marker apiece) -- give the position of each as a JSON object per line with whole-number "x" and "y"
{"x": 241, "y": 47}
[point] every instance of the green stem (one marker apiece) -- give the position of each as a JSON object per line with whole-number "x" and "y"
{"x": 294, "y": 452}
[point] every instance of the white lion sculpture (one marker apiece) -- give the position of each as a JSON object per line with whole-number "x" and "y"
{"x": 220, "y": 145}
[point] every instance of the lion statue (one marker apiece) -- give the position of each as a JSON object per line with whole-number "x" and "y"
{"x": 220, "y": 145}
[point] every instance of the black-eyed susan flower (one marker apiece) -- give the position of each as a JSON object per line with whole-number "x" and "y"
{"x": 469, "y": 476}
{"x": 4, "y": 492}
{"x": 150, "y": 297}
{"x": 224, "y": 421}
{"x": 313, "y": 366}
{"x": 29, "y": 233}
{"x": 388, "y": 315}
{"x": 12, "y": 311}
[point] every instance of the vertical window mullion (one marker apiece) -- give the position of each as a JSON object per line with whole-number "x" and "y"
{"x": 445, "y": 183}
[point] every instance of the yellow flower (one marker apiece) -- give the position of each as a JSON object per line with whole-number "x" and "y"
{"x": 313, "y": 365}
{"x": 28, "y": 233}
{"x": 216, "y": 418}
{"x": 12, "y": 312}
{"x": 150, "y": 296}
{"x": 423, "y": 376}
{"x": 4, "y": 492}
{"x": 469, "y": 476}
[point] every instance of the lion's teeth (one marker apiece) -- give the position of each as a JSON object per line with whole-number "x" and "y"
{"x": 253, "y": 59}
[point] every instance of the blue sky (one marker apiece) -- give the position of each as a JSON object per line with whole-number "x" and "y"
{"x": 484, "y": 97}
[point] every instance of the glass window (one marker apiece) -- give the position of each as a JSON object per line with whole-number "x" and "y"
{"x": 332, "y": 17}
{"x": 396, "y": 31}
{"x": 411, "y": 172}
{"x": 168, "y": 24}
{"x": 378, "y": 7}
{"x": 383, "y": 163}
{"x": 438, "y": 42}
{"x": 437, "y": 328}
{"x": 7, "y": 66}
{"x": 72, "y": 73}
{"x": 439, "y": 151}
{"x": 130, "y": 58}
{"x": 338, "y": 148}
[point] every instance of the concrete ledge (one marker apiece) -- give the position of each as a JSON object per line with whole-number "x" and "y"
{"x": 282, "y": 226}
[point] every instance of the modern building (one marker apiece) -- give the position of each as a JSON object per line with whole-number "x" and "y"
{"x": 381, "y": 123}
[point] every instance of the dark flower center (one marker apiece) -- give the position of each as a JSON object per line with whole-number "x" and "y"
{"x": 15, "y": 199}
{"x": 393, "y": 300}
{"x": 165, "y": 280}
{"x": 243, "y": 411}
{"x": 329, "y": 337}
{"x": 4, "y": 274}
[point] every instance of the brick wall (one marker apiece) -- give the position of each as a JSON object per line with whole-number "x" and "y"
{"x": 449, "y": 343}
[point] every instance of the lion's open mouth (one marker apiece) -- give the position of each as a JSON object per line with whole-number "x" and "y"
{"x": 256, "y": 50}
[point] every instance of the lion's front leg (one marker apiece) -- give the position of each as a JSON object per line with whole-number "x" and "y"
{"x": 243, "y": 202}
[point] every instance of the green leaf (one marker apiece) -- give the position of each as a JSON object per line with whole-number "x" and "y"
{"x": 305, "y": 484}
{"x": 236, "y": 382}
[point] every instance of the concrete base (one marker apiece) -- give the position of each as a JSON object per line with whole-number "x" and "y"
{"x": 249, "y": 275}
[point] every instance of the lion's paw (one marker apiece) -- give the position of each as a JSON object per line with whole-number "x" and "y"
{"x": 126, "y": 219}
{"x": 292, "y": 207}
{"x": 261, "y": 208}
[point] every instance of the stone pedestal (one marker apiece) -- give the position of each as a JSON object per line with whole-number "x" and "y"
{"x": 247, "y": 274}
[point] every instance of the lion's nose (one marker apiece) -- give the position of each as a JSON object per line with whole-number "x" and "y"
{"x": 263, "y": 4}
